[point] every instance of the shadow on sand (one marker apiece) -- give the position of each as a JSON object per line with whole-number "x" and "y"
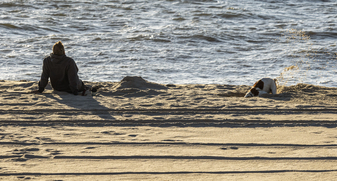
{"x": 85, "y": 105}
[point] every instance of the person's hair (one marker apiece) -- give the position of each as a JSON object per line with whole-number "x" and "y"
{"x": 58, "y": 48}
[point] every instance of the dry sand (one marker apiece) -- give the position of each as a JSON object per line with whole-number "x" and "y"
{"x": 139, "y": 130}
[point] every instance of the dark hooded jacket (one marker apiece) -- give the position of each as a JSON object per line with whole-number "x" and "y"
{"x": 62, "y": 71}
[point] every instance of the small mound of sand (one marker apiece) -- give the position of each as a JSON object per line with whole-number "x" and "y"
{"x": 307, "y": 93}
{"x": 300, "y": 88}
{"x": 137, "y": 83}
{"x": 137, "y": 87}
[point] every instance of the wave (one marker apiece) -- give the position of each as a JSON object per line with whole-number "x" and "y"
{"x": 19, "y": 27}
{"x": 149, "y": 37}
{"x": 9, "y": 26}
{"x": 322, "y": 34}
{"x": 13, "y": 4}
{"x": 201, "y": 37}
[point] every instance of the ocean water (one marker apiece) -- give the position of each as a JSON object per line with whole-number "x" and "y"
{"x": 174, "y": 41}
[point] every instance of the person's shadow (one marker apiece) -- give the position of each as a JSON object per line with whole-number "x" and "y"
{"x": 84, "y": 105}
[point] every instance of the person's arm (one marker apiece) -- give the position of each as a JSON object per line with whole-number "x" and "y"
{"x": 44, "y": 77}
{"x": 73, "y": 77}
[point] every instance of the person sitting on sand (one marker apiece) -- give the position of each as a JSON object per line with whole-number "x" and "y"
{"x": 62, "y": 71}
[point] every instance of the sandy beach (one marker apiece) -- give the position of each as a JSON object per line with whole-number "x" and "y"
{"x": 140, "y": 130}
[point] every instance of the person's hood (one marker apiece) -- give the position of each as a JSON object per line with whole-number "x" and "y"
{"x": 57, "y": 58}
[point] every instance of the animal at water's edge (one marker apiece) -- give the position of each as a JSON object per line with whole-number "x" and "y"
{"x": 262, "y": 86}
